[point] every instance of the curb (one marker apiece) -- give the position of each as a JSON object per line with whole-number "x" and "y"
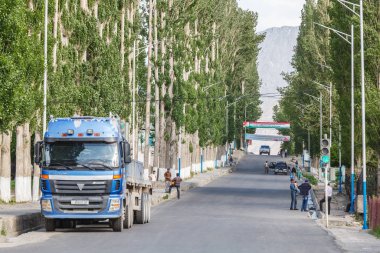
{"x": 159, "y": 198}
{"x": 19, "y": 224}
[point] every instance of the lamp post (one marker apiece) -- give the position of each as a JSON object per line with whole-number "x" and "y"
{"x": 352, "y": 7}
{"x": 45, "y": 68}
{"x": 320, "y": 112}
{"x": 349, "y": 38}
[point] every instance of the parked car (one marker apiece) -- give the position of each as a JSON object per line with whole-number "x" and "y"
{"x": 281, "y": 168}
{"x": 272, "y": 165}
{"x": 264, "y": 149}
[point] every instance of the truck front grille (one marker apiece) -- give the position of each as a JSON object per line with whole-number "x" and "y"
{"x": 95, "y": 204}
{"x": 82, "y": 187}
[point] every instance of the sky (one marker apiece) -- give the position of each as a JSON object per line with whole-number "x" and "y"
{"x": 275, "y": 13}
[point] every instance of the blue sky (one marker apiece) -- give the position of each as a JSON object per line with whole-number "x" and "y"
{"x": 275, "y": 13}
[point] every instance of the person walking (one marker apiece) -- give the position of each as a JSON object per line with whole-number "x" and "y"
{"x": 168, "y": 179}
{"x": 266, "y": 167}
{"x": 176, "y": 182}
{"x": 329, "y": 197}
{"x": 293, "y": 194}
{"x": 304, "y": 192}
{"x": 153, "y": 177}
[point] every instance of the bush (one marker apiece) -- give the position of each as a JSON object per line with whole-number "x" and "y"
{"x": 311, "y": 178}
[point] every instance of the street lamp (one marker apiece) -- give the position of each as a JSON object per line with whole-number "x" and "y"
{"x": 346, "y": 38}
{"x": 45, "y": 67}
{"x": 320, "y": 112}
{"x": 329, "y": 89}
{"x": 352, "y": 7}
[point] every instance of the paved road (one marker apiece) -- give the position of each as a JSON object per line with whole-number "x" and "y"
{"x": 245, "y": 211}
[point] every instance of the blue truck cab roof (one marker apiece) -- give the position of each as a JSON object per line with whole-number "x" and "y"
{"x": 84, "y": 129}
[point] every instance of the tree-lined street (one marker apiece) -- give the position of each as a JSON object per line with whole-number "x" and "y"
{"x": 245, "y": 211}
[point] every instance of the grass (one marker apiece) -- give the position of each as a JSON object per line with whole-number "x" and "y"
{"x": 3, "y": 232}
{"x": 376, "y": 232}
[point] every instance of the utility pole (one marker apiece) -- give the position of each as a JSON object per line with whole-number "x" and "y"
{"x": 45, "y": 67}
{"x": 346, "y": 37}
{"x": 365, "y": 226}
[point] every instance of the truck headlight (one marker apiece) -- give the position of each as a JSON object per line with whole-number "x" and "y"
{"x": 46, "y": 205}
{"x": 114, "y": 205}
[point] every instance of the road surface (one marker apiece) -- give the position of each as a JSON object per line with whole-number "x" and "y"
{"x": 245, "y": 211}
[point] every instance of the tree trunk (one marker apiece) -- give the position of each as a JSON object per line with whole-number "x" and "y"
{"x": 27, "y": 164}
{"x": 163, "y": 144}
{"x": 5, "y": 172}
{"x": 148, "y": 89}
{"x": 156, "y": 94}
{"x": 20, "y": 185}
{"x": 36, "y": 172}
{"x": 55, "y": 35}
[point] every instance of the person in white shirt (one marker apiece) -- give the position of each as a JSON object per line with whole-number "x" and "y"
{"x": 153, "y": 177}
{"x": 329, "y": 196}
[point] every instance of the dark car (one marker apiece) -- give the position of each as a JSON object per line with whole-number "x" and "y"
{"x": 272, "y": 165}
{"x": 281, "y": 168}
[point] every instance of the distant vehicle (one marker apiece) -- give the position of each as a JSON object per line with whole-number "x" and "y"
{"x": 281, "y": 168}
{"x": 272, "y": 165}
{"x": 264, "y": 149}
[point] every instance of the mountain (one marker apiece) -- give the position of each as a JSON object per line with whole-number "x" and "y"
{"x": 274, "y": 58}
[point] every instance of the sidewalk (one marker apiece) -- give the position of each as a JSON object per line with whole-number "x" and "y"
{"x": 16, "y": 219}
{"x": 347, "y": 232}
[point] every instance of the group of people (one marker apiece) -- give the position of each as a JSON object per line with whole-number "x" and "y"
{"x": 304, "y": 190}
{"x": 170, "y": 183}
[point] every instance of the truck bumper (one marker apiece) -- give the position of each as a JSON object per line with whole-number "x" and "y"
{"x": 98, "y": 207}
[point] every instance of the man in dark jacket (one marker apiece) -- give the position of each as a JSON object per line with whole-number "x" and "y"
{"x": 304, "y": 191}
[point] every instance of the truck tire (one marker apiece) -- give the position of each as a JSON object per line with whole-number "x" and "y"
{"x": 49, "y": 225}
{"x": 117, "y": 224}
{"x": 128, "y": 221}
{"x": 141, "y": 215}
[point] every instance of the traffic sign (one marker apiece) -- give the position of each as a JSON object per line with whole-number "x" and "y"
{"x": 276, "y": 125}
{"x": 259, "y": 137}
{"x": 325, "y": 159}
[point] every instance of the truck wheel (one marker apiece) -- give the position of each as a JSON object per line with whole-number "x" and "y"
{"x": 50, "y": 225}
{"x": 140, "y": 215}
{"x": 117, "y": 224}
{"x": 128, "y": 221}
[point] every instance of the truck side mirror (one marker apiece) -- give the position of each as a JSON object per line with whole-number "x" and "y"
{"x": 37, "y": 152}
{"x": 127, "y": 153}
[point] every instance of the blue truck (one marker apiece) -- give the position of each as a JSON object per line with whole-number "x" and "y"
{"x": 87, "y": 175}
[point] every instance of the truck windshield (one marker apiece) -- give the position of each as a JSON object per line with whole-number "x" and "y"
{"x": 82, "y": 153}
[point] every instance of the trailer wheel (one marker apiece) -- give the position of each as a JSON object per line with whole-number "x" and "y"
{"x": 141, "y": 215}
{"x": 128, "y": 221}
{"x": 49, "y": 225}
{"x": 117, "y": 224}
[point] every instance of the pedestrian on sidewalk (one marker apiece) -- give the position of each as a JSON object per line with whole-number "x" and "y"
{"x": 153, "y": 177}
{"x": 231, "y": 160}
{"x": 266, "y": 167}
{"x": 176, "y": 182}
{"x": 329, "y": 197}
{"x": 304, "y": 191}
{"x": 293, "y": 194}
{"x": 168, "y": 179}
{"x": 294, "y": 171}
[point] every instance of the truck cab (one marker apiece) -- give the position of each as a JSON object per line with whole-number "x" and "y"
{"x": 86, "y": 174}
